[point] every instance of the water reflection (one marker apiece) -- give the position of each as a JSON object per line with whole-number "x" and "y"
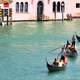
{"x": 5, "y": 30}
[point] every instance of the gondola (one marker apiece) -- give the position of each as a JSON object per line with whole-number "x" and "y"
{"x": 53, "y": 68}
{"x": 70, "y": 50}
{"x": 78, "y": 38}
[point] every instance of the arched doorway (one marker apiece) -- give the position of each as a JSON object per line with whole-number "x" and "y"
{"x": 40, "y": 7}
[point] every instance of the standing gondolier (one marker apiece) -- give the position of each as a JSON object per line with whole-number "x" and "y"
{"x": 73, "y": 40}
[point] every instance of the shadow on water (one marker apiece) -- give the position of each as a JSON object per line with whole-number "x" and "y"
{"x": 5, "y": 29}
{"x": 73, "y": 58}
{"x": 55, "y": 72}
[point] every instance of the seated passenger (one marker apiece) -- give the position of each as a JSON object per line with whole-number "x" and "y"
{"x": 55, "y": 63}
{"x": 61, "y": 63}
{"x": 62, "y": 57}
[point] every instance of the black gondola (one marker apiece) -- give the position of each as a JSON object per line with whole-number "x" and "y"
{"x": 52, "y": 67}
{"x": 71, "y": 50}
{"x": 78, "y": 38}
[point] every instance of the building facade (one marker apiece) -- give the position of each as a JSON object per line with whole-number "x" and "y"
{"x": 43, "y": 9}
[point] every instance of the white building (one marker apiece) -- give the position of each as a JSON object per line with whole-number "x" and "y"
{"x": 44, "y": 9}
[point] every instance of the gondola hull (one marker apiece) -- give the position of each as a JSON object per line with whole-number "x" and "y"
{"x": 52, "y": 68}
{"x": 71, "y": 54}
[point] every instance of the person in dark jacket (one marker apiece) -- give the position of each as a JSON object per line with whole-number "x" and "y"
{"x": 73, "y": 40}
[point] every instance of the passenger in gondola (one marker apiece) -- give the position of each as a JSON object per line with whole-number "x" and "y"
{"x": 62, "y": 57}
{"x": 54, "y": 61}
{"x": 61, "y": 63}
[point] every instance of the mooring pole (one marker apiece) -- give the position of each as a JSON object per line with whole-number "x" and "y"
{"x": 55, "y": 15}
{"x": 62, "y": 14}
{"x": 7, "y": 20}
{"x": 11, "y": 20}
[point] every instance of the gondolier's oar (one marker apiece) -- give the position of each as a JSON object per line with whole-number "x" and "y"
{"x": 54, "y": 49}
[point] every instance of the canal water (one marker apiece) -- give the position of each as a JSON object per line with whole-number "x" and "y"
{"x": 25, "y": 46}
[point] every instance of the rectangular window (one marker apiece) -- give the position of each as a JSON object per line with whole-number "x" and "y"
{"x": 77, "y": 5}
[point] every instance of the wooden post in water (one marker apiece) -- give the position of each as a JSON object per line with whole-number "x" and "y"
{"x": 7, "y": 20}
{"x": 55, "y": 15}
{"x": 2, "y": 16}
{"x": 10, "y": 20}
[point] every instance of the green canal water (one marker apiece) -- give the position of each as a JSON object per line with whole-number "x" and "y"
{"x": 25, "y": 46}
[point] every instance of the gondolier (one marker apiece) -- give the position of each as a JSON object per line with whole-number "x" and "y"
{"x": 73, "y": 40}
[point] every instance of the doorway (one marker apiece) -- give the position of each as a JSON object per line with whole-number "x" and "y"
{"x": 40, "y": 8}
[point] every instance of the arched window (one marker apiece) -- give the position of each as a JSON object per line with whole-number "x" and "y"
{"x": 58, "y": 7}
{"x": 26, "y": 6}
{"x": 62, "y": 6}
{"x": 54, "y": 6}
{"x": 17, "y": 6}
{"x": 21, "y": 7}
